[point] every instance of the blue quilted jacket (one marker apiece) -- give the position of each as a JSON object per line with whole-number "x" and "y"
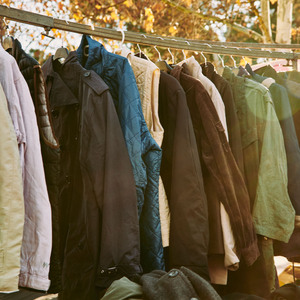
{"x": 144, "y": 153}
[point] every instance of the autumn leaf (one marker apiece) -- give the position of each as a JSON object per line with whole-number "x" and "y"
{"x": 273, "y": 1}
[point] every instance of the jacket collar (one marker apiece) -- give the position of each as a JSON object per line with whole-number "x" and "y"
{"x": 96, "y": 52}
{"x": 176, "y": 72}
{"x": 255, "y": 76}
{"x": 209, "y": 69}
{"x": 60, "y": 93}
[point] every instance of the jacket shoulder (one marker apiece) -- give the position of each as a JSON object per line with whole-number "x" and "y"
{"x": 94, "y": 81}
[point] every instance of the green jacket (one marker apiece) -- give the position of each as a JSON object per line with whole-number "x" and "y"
{"x": 264, "y": 158}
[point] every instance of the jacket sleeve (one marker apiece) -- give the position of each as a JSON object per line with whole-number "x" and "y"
{"x": 11, "y": 202}
{"x": 273, "y": 213}
{"x": 182, "y": 176}
{"x": 105, "y": 162}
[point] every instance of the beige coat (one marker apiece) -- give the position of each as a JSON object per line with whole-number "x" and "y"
{"x": 147, "y": 76}
{"x": 11, "y": 202}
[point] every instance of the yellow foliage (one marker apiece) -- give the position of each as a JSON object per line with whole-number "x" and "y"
{"x": 128, "y": 3}
{"x": 173, "y": 30}
{"x": 273, "y": 1}
{"x": 238, "y": 2}
{"x": 247, "y": 59}
{"x": 149, "y": 20}
{"x": 76, "y": 16}
{"x": 98, "y": 6}
{"x": 114, "y": 16}
{"x": 148, "y": 12}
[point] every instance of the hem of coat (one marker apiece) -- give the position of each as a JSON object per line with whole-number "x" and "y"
{"x": 34, "y": 282}
{"x": 9, "y": 285}
{"x": 297, "y": 222}
{"x": 272, "y": 233}
{"x": 250, "y": 253}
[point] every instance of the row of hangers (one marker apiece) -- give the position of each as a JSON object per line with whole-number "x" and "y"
{"x": 62, "y": 52}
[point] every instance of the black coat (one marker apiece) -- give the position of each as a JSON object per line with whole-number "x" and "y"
{"x": 182, "y": 178}
{"x": 98, "y": 203}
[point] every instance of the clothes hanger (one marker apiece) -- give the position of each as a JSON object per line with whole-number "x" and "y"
{"x": 141, "y": 54}
{"x": 205, "y": 59}
{"x": 235, "y": 68}
{"x": 61, "y": 53}
{"x": 8, "y": 41}
{"x": 162, "y": 64}
{"x": 122, "y": 42}
{"x": 184, "y": 56}
{"x": 173, "y": 58}
{"x": 242, "y": 69}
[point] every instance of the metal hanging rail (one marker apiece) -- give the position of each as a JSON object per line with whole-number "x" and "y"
{"x": 255, "y": 45}
{"x": 142, "y": 39}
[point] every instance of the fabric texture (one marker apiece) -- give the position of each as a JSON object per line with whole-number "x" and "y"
{"x": 233, "y": 125}
{"x": 265, "y": 159}
{"x": 216, "y": 266}
{"x": 258, "y": 279}
{"x": 287, "y": 292}
{"x": 220, "y": 166}
{"x": 181, "y": 284}
{"x": 240, "y": 296}
{"x": 285, "y": 97}
{"x": 32, "y": 73}
{"x": 144, "y": 153}
{"x": 11, "y": 202}
{"x": 287, "y": 90}
{"x": 283, "y": 111}
{"x": 182, "y": 177}
{"x": 37, "y": 235}
{"x": 96, "y": 178}
{"x": 123, "y": 289}
{"x": 147, "y": 79}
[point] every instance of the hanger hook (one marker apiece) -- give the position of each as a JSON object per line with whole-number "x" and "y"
{"x": 173, "y": 58}
{"x": 123, "y": 39}
{"x": 222, "y": 61}
{"x": 140, "y": 51}
{"x": 123, "y": 36}
{"x": 6, "y": 26}
{"x": 234, "y": 62}
{"x": 159, "y": 56}
{"x": 205, "y": 59}
{"x": 184, "y": 56}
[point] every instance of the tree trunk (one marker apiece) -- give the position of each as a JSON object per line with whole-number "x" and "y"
{"x": 284, "y": 21}
{"x": 265, "y": 13}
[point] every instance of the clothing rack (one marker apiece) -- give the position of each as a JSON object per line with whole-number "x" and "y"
{"x": 230, "y": 49}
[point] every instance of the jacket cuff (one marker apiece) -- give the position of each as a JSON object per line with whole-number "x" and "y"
{"x": 297, "y": 222}
{"x": 250, "y": 253}
{"x": 105, "y": 276}
{"x": 34, "y": 281}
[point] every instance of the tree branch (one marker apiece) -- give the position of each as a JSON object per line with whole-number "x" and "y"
{"x": 262, "y": 24}
{"x": 109, "y": 6}
{"x": 233, "y": 25}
